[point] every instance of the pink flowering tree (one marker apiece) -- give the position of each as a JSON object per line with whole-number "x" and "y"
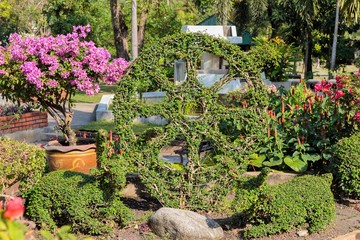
{"x": 48, "y": 71}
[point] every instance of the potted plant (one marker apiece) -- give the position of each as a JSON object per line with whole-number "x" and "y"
{"x": 48, "y": 71}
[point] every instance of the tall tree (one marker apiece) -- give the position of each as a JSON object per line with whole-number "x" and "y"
{"x": 333, "y": 52}
{"x": 120, "y": 30}
{"x": 224, "y": 11}
{"x": 134, "y": 34}
{"x": 63, "y": 15}
{"x": 351, "y": 12}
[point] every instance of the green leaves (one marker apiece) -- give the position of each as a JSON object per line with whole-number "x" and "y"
{"x": 256, "y": 160}
{"x": 296, "y": 164}
{"x": 10, "y": 230}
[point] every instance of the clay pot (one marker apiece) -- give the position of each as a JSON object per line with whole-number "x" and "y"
{"x": 80, "y": 158}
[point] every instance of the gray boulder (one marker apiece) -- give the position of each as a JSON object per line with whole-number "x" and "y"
{"x": 184, "y": 225}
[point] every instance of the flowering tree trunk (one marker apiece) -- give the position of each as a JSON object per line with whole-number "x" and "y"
{"x": 120, "y": 30}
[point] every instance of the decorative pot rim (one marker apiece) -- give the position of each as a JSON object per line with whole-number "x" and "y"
{"x": 70, "y": 148}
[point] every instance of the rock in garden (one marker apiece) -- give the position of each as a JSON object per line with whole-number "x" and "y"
{"x": 184, "y": 225}
{"x": 303, "y": 233}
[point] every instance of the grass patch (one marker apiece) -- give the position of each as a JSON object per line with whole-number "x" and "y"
{"x": 108, "y": 125}
{"x": 97, "y": 125}
{"x": 81, "y": 97}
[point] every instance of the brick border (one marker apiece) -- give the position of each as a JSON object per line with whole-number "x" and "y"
{"x": 31, "y": 120}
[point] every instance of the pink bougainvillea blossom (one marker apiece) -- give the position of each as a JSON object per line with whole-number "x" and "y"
{"x": 43, "y": 68}
{"x": 44, "y": 60}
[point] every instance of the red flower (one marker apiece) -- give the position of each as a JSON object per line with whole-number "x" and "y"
{"x": 323, "y": 86}
{"x": 338, "y": 94}
{"x": 357, "y": 116}
{"x": 340, "y": 85}
{"x": 14, "y": 208}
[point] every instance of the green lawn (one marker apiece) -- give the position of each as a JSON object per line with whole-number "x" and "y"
{"x": 81, "y": 97}
{"x": 322, "y": 72}
{"x": 109, "y": 125}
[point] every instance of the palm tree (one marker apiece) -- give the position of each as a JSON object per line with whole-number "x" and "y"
{"x": 224, "y": 11}
{"x": 351, "y": 12}
{"x": 134, "y": 33}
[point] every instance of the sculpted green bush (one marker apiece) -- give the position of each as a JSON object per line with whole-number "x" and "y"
{"x": 75, "y": 199}
{"x": 20, "y": 162}
{"x": 345, "y": 165}
{"x": 208, "y": 176}
{"x": 278, "y": 208}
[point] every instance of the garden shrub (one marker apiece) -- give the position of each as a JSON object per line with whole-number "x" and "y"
{"x": 305, "y": 124}
{"x": 75, "y": 199}
{"x": 20, "y": 162}
{"x": 345, "y": 165}
{"x": 209, "y": 177}
{"x": 278, "y": 57}
{"x": 277, "y": 208}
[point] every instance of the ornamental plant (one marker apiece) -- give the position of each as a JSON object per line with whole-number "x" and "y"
{"x": 12, "y": 109}
{"x": 49, "y": 70}
{"x": 304, "y": 124}
{"x": 209, "y": 174}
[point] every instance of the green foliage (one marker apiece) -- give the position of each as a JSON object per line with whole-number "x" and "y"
{"x": 357, "y": 62}
{"x": 278, "y": 57}
{"x": 278, "y": 208}
{"x": 302, "y": 125}
{"x": 345, "y": 165}
{"x": 20, "y": 162}
{"x": 208, "y": 176}
{"x": 11, "y": 230}
{"x": 60, "y": 234}
{"x": 5, "y": 8}
{"x": 63, "y": 15}
{"x": 75, "y": 199}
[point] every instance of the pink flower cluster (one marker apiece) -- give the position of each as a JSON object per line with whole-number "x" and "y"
{"x": 61, "y": 61}
{"x": 339, "y": 91}
{"x": 323, "y": 86}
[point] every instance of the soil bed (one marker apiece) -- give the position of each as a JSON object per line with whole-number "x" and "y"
{"x": 347, "y": 220}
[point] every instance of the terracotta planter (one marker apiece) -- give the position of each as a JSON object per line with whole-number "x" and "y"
{"x": 79, "y": 158}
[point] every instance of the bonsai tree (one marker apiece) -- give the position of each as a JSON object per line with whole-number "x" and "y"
{"x": 48, "y": 71}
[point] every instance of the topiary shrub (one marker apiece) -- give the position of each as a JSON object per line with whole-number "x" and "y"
{"x": 278, "y": 208}
{"x": 75, "y": 199}
{"x": 20, "y": 162}
{"x": 345, "y": 165}
{"x": 210, "y": 176}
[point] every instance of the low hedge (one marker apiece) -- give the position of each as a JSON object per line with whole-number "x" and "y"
{"x": 304, "y": 199}
{"x": 70, "y": 198}
{"x": 22, "y": 162}
{"x": 345, "y": 165}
